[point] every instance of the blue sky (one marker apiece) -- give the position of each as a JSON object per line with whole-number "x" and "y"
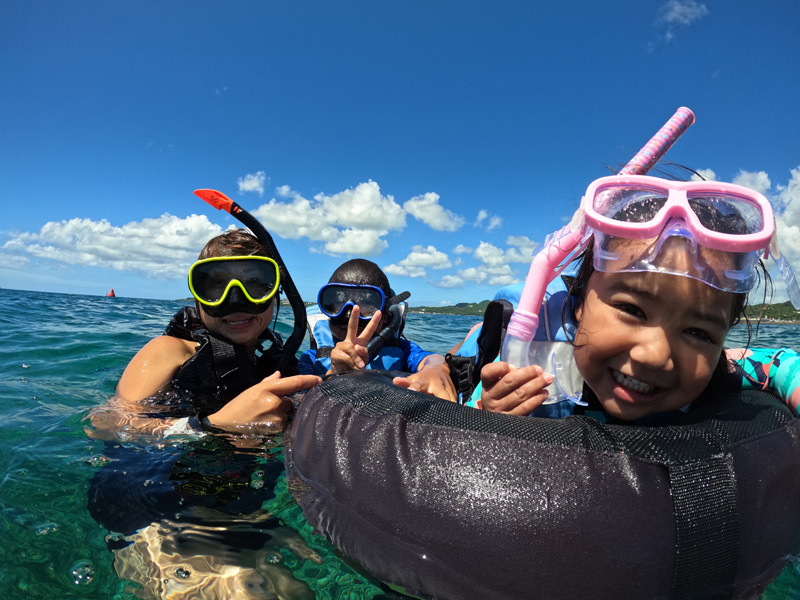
{"x": 443, "y": 140}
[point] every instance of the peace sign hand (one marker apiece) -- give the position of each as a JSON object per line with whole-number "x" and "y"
{"x": 351, "y": 353}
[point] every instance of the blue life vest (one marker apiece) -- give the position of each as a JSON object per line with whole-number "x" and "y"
{"x": 402, "y": 355}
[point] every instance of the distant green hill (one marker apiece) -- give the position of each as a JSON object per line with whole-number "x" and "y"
{"x": 462, "y": 308}
{"x": 784, "y": 312}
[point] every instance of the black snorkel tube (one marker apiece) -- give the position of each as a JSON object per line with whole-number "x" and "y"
{"x": 395, "y": 310}
{"x": 221, "y": 202}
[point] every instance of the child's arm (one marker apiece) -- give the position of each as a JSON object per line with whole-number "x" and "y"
{"x": 153, "y": 367}
{"x": 773, "y": 370}
{"x": 513, "y": 391}
{"x": 261, "y": 409}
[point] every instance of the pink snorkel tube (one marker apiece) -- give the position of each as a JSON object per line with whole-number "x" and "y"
{"x": 519, "y": 349}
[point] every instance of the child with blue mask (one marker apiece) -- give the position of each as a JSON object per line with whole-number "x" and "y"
{"x": 358, "y": 303}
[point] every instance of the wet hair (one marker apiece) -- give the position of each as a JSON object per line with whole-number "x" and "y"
{"x": 236, "y": 242}
{"x": 360, "y": 271}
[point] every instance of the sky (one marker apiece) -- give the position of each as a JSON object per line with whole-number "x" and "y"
{"x": 442, "y": 140}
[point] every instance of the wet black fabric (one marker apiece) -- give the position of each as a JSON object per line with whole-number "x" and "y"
{"x": 453, "y": 502}
{"x": 221, "y": 370}
{"x": 144, "y": 484}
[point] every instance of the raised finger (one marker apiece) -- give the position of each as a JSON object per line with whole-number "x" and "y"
{"x": 352, "y": 325}
{"x": 290, "y": 385}
{"x": 366, "y": 335}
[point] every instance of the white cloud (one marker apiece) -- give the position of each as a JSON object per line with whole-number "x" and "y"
{"x": 473, "y": 274}
{"x": 360, "y": 242}
{"x": 362, "y": 207}
{"x": 788, "y": 222}
{"x": 495, "y": 269}
{"x": 758, "y": 181}
{"x": 449, "y": 281}
{"x": 405, "y": 270}
{"x": 352, "y": 222}
{"x": 418, "y": 261}
{"x": 490, "y": 254}
{"x": 682, "y": 12}
{"x": 284, "y": 191}
{"x": 297, "y": 219}
{"x": 522, "y": 248}
{"x": 494, "y": 223}
{"x": 789, "y": 199}
{"x": 160, "y": 248}
{"x": 676, "y": 14}
{"x": 462, "y": 249}
{"x": 487, "y": 221}
{"x": 426, "y": 208}
{"x": 253, "y": 182}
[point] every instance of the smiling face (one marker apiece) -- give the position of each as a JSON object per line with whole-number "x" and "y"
{"x": 649, "y": 342}
{"x": 239, "y": 327}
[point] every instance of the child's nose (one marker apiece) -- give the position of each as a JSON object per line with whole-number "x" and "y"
{"x": 652, "y": 347}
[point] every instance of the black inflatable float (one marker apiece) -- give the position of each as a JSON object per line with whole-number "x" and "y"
{"x": 453, "y": 502}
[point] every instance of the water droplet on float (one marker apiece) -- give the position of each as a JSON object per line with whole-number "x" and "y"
{"x": 182, "y": 573}
{"x": 82, "y": 572}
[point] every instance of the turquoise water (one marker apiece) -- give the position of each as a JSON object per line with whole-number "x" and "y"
{"x": 62, "y": 355}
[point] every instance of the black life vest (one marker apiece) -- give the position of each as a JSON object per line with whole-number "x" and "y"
{"x": 220, "y": 369}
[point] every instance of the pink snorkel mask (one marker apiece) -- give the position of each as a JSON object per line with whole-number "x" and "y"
{"x": 723, "y": 228}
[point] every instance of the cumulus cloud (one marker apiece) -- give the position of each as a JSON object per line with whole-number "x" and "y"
{"x": 449, "y": 281}
{"x": 361, "y": 242}
{"x": 494, "y": 268}
{"x": 494, "y": 223}
{"x": 521, "y": 249}
{"x": 487, "y": 221}
{"x": 160, "y": 248}
{"x": 253, "y": 182}
{"x": 788, "y": 222}
{"x": 758, "y": 181}
{"x": 426, "y": 208}
{"x": 682, "y": 12}
{"x": 419, "y": 260}
{"x": 678, "y": 14}
{"x": 361, "y": 216}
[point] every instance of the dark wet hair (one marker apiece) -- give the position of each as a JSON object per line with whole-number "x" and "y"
{"x": 236, "y": 242}
{"x": 360, "y": 271}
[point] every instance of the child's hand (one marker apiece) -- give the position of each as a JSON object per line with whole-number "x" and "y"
{"x": 513, "y": 391}
{"x": 431, "y": 379}
{"x": 351, "y": 353}
{"x": 262, "y": 408}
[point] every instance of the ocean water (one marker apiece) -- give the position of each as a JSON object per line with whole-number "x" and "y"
{"x": 66, "y": 499}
